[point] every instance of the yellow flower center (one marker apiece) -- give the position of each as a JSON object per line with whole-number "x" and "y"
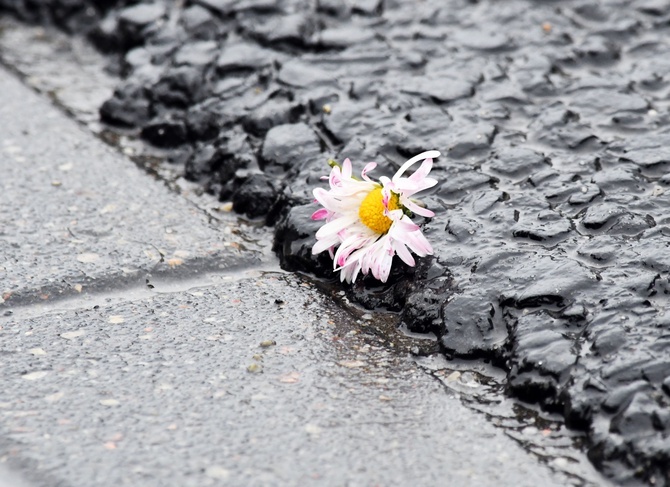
{"x": 371, "y": 211}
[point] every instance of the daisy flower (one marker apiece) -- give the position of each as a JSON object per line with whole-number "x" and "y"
{"x": 368, "y": 221}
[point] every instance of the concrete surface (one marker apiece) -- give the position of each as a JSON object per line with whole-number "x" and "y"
{"x": 223, "y": 376}
{"x": 75, "y": 215}
{"x": 9, "y": 479}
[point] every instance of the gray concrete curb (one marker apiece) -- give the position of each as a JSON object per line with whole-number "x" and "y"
{"x": 76, "y": 216}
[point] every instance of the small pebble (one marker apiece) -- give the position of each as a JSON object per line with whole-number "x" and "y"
{"x": 88, "y": 258}
{"x": 217, "y": 472}
{"x": 255, "y": 368}
{"x": 351, "y": 364}
{"x": 35, "y": 375}
{"x": 71, "y": 335}
{"x": 109, "y": 402}
{"x": 454, "y": 376}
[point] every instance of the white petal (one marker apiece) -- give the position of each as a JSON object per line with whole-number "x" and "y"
{"x": 349, "y": 245}
{"x": 431, "y": 154}
{"x": 384, "y": 262}
{"x": 419, "y": 244}
{"x": 423, "y": 170}
{"x": 357, "y": 270}
{"x": 408, "y": 188}
{"x": 326, "y": 199}
{"x": 335, "y": 178}
{"x": 395, "y": 215}
{"x": 366, "y": 257}
{"x": 349, "y": 272}
{"x": 346, "y": 168}
{"x": 368, "y": 167}
{"x": 325, "y": 244}
{"x": 403, "y": 253}
{"x": 414, "y": 208}
{"x": 404, "y": 225}
{"x": 333, "y": 227}
{"x": 414, "y": 239}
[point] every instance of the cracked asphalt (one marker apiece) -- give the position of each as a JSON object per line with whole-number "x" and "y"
{"x": 221, "y": 371}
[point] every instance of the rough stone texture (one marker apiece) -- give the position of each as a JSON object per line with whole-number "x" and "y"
{"x": 228, "y": 376}
{"x": 552, "y": 217}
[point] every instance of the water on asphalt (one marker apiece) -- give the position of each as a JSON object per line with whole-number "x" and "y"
{"x": 39, "y": 56}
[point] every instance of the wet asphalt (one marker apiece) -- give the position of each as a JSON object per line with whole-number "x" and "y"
{"x": 143, "y": 342}
{"x": 551, "y": 227}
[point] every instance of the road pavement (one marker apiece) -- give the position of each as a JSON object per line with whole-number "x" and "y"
{"x": 144, "y": 343}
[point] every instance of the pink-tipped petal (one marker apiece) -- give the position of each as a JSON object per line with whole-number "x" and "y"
{"x": 418, "y": 243}
{"x": 335, "y": 179}
{"x": 419, "y": 210}
{"x": 385, "y": 262}
{"x": 357, "y": 249}
{"x": 346, "y": 248}
{"x": 368, "y": 167}
{"x": 408, "y": 187}
{"x": 423, "y": 170}
{"x": 322, "y": 196}
{"x": 386, "y": 197}
{"x": 320, "y": 214}
{"x": 403, "y": 224}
